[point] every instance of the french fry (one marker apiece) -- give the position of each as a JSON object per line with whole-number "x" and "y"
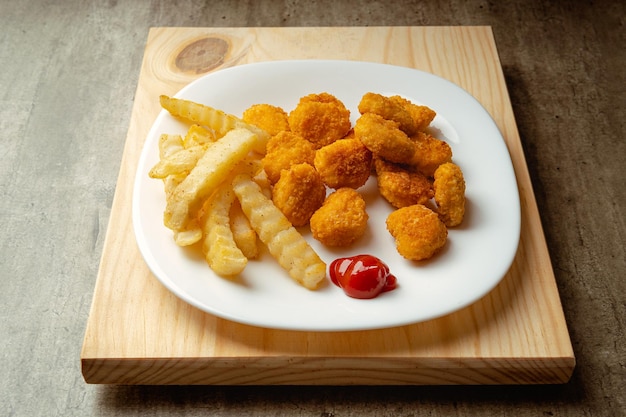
{"x": 219, "y": 121}
{"x": 177, "y": 163}
{"x": 170, "y": 183}
{"x": 169, "y": 144}
{"x": 214, "y": 166}
{"x": 219, "y": 247}
{"x": 243, "y": 233}
{"x": 198, "y": 135}
{"x": 264, "y": 182}
{"x": 191, "y": 235}
{"x": 284, "y": 242}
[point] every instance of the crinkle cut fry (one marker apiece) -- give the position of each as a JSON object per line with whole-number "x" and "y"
{"x": 216, "y": 119}
{"x": 243, "y": 233}
{"x": 284, "y": 242}
{"x": 219, "y": 247}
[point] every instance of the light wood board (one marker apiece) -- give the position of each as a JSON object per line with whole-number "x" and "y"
{"x": 140, "y": 333}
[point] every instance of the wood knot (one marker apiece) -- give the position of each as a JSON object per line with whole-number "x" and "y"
{"x": 202, "y": 55}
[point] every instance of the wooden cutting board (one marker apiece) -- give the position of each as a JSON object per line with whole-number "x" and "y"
{"x": 140, "y": 333}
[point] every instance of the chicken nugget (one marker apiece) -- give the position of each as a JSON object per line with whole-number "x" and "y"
{"x": 421, "y": 115}
{"x": 450, "y": 194}
{"x": 388, "y": 109}
{"x": 272, "y": 119}
{"x": 344, "y": 163}
{"x": 299, "y": 193}
{"x": 430, "y": 152}
{"x": 320, "y": 119}
{"x": 384, "y": 138}
{"x": 418, "y": 231}
{"x": 401, "y": 186}
{"x": 341, "y": 220}
{"x": 284, "y": 150}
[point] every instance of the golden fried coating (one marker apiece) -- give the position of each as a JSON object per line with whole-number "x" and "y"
{"x": 284, "y": 150}
{"x": 344, "y": 163}
{"x": 341, "y": 220}
{"x": 401, "y": 186}
{"x": 321, "y": 98}
{"x": 430, "y": 152}
{"x": 450, "y": 194}
{"x": 421, "y": 115}
{"x": 350, "y": 134}
{"x": 272, "y": 119}
{"x": 299, "y": 193}
{"x": 320, "y": 119}
{"x": 384, "y": 138}
{"x": 418, "y": 231}
{"x": 388, "y": 109}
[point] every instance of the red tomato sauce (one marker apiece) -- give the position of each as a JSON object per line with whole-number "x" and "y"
{"x": 362, "y": 276}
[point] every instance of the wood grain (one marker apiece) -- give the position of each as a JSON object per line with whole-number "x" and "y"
{"x": 139, "y": 333}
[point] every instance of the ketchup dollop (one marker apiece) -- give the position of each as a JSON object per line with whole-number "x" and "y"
{"x": 362, "y": 276}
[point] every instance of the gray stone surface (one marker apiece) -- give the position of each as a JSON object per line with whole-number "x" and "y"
{"x": 68, "y": 72}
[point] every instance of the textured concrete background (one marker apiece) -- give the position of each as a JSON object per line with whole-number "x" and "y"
{"x": 68, "y": 72}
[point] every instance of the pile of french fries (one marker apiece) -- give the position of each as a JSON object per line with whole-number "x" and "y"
{"x": 217, "y": 195}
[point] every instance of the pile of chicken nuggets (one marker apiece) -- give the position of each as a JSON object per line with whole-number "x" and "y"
{"x": 315, "y": 148}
